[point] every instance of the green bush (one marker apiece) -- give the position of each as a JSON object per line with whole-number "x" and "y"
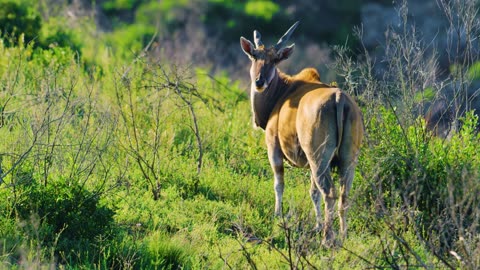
{"x": 423, "y": 175}
{"x": 129, "y": 39}
{"x": 71, "y": 217}
{"x": 54, "y": 34}
{"x": 112, "y": 5}
{"x": 262, "y": 9}
{"x": 474, "y": 71}
{"x": 17, "y": 18}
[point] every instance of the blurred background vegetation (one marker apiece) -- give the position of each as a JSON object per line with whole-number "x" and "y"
{"x": 126, "y": 139}
{"x": 200, "y": 32}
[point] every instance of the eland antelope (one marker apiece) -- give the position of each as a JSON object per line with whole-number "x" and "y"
{"x": 307, "y": 123}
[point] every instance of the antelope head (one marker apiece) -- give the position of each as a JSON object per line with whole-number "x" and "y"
{"x": 264, "y": 60}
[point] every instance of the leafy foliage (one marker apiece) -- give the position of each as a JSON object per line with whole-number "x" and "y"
{"x": 418, "y": 170}
{"x": 263, "y": 9}
{"x": 474, "y": 71}
{"x": 54, "y": 34}
{"x": 17, "y": 19}
{"x": 70, "y": 216}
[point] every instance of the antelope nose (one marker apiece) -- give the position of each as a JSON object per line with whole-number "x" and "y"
{"x": 259, "y": 82}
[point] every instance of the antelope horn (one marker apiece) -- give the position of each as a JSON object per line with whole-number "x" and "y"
{"x": 281, "y": 42}
{"x": 257, "y": 37}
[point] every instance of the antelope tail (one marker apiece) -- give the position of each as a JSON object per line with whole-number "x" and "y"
{"x": 340, "y": 102}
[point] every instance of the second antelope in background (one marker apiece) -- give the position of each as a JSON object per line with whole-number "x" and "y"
{"x": 309, "y": 124}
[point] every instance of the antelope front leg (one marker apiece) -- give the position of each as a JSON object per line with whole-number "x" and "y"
{"x": 275, "y": 156}
{"x": 278, "y": 186}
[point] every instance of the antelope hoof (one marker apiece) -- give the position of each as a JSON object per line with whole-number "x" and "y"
{"x": 328, "y": 243}
{"x": 318, "y": 228}
{"x": 328, "y": 240}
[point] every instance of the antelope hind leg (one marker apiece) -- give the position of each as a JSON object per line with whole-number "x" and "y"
{"x": 315, "y": 195}
{"x": 346, "y": 174}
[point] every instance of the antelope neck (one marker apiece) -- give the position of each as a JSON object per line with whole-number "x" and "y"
{"x": 264, "y": 102}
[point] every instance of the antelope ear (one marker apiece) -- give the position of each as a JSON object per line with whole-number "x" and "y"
{"x": 285, "y": 53}
{"x": 247, "y": 47}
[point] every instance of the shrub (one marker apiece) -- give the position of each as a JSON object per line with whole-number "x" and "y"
{"x": 131, "y": 38}
{"x": 54, "y": 34}
{"x": 474, "y": 71}
{"x": 431, "y": 182}
{"x": 19, "y": 19}
{"x": 71, "y": 217}
{"x": 114, "y": 5}
{"x": 16, "y": 19}
{"x": 261, "y": 9}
